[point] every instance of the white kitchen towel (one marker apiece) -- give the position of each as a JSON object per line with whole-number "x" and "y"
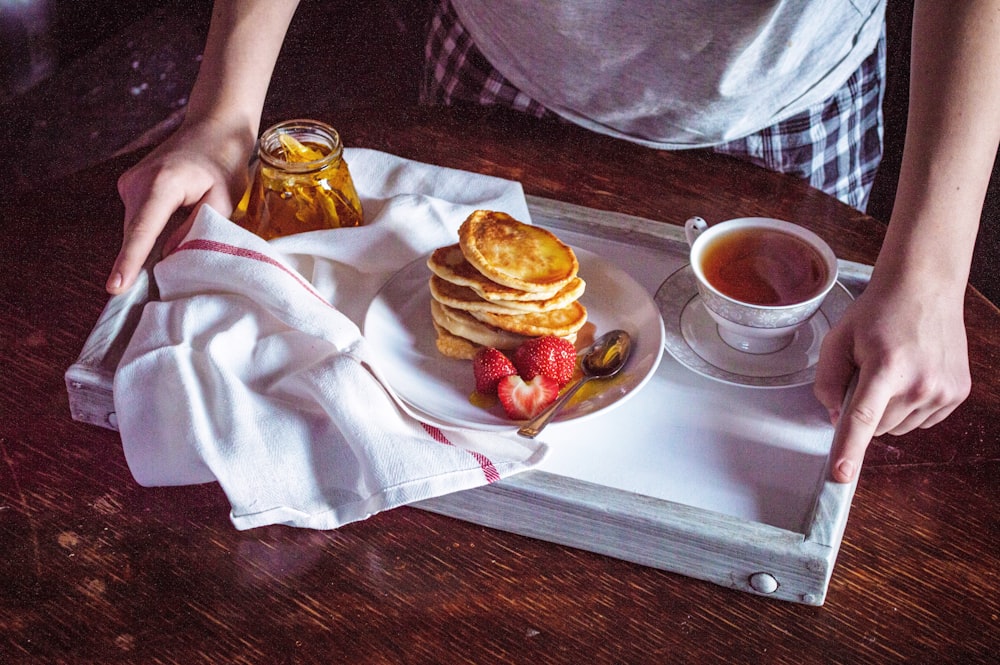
{"x": 250, "y": 368}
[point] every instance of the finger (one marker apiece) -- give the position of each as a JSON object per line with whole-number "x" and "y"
{"x": 216, "y": 197}
{"x": 140, "y": 235}
{"x": 906, "y": 412}
{"x": 921, "y": 419}
{"x": 924, "y": 401}
{"x": 221, "y": 199}
{"x": 857, "y": 425}
{"x": 177, "y": 235}
{"x": 937, "y": 417}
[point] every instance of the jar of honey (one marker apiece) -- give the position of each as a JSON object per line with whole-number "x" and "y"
{"x": 299, "y": 182}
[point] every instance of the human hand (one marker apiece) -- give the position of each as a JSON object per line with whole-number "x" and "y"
{"x": 909, "y": 349}
{"x": 204, "y": 162}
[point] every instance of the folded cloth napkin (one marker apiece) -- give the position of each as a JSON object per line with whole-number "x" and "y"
{"x": 251, "y": 370}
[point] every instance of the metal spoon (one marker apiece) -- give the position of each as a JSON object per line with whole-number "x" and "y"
{"x": 602, "y": 359}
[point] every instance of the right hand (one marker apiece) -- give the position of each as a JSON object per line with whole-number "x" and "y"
{"x": 905, "y": 337}
{"x": 202, "y": 162}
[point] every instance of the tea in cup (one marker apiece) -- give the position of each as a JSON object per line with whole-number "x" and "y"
{"x": 759, "y": 278}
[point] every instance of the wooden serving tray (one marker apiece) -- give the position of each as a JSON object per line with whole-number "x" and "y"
{"x": 723, "y": 501}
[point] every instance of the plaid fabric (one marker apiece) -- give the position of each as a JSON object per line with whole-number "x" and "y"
{"x": 456, "y": 71}
{"x": 836, "y": 146}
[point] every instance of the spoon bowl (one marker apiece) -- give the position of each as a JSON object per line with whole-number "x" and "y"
{"x": 602, "y": 359}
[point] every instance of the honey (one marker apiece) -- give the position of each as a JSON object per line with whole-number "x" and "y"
{"x": 299, "y": 182}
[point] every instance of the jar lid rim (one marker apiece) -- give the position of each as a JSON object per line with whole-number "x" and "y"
{"x": 315, "y": 129}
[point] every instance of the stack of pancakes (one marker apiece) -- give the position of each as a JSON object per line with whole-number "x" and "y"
{"x": 504, "y": 282}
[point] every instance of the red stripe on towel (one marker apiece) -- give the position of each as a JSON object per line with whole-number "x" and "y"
{"x": 244, "y": 253}
{"x": 490, "y": 471}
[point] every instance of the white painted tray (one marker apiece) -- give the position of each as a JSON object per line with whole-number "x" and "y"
{"x": 719, "y": 482}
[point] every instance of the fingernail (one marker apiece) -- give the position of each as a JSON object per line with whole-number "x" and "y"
{"x": 834, "y": 416}
{"x": 846, "y": 469}
{"x": 115, "y": 281}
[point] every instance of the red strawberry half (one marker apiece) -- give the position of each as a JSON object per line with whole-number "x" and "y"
{"x": 489, "y": 365}
{"x": 522, "y": 400}
{"x": 549, "y": 356}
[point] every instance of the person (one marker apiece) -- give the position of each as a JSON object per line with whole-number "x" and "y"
{"x": 766, "y": 82}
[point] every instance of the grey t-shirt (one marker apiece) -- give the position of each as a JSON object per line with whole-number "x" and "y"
{"x": 675, "y": 73}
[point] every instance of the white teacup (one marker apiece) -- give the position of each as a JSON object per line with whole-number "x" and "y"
{"x": 760, "y": 283}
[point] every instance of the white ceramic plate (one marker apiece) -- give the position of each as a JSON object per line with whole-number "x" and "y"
{"x": 399, "y": 327}
{"x": 692, "y": 338}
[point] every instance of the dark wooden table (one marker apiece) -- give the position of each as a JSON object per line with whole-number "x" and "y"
{"x": 94, "y": 568}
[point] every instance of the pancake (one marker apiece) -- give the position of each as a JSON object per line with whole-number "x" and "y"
{"x": 454, "y": 346}
{"x": 558, "y": 322}
{"x": 515, "y": 254}
{"x": 465, "y": 298}
{"x": 464, "y": 325}
{"x": 502, "y": 284}
{"x": 460, "y": 348}
{"x": 449, "y": 264}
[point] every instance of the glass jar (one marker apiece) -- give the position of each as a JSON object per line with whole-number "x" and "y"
{"x": 299, "y": 182}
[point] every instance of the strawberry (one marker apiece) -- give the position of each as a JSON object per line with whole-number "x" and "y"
{"x": 549, "y": 356}
{"x": 522, "y": 400}
{"x": 489, "y": 366}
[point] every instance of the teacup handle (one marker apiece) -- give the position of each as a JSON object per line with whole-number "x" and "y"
{"x": 693, "y": 228}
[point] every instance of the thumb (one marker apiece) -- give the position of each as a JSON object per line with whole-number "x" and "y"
{"x": 834, "y": 372}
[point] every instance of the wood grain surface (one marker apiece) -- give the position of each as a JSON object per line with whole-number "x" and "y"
{"x": 94, "y": 568}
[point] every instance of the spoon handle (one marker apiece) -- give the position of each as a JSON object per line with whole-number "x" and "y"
{"x": 531, "y": 429}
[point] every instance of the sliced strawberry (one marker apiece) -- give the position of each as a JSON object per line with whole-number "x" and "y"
{"x": 489, "y": 365}
{"x": 549, "y": 356}
{"x": 522, "y": 400}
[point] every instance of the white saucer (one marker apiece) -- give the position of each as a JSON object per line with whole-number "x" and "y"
{"x": 692, "y": 338}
